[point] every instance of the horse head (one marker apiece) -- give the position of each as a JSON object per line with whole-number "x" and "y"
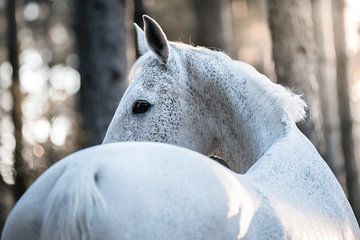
{"x": 159, "y": 105}
{"x": 202, "y": 100}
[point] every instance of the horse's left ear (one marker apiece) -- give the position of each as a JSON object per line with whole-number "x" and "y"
{"x": 140, "y": 37}
{"x": 156, "y": 39}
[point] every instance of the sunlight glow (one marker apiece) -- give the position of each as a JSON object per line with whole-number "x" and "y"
{"x": 355, "y": 91}
{"x": 57, "y": 96}
{"x": 352, "y": 23}
{"x": 6, "y": 170}
{"x": 5, "y": 75}
{"x": 36, "y": 131}
{"x": 31, "y": 11}
{"x": 238, "y": 198}
{"x": 60, "y": 129}
{"x": 31, "y": 57}
{"x": 41, "y": 130}
{"x": 33, "y": 80}
{"x": 34, "y": 105}
{"x": 6, "y": 101}
{"x": 7, "y": 139}
{"x": 58, "y": 34}
{"x": 65, "y": 78}
{"x": 7, "y": 146}
{"x": 33, "y": 73}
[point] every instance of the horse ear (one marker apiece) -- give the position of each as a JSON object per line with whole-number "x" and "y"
{"x": 140, "y": 39}
{"x": 156, "y": 39}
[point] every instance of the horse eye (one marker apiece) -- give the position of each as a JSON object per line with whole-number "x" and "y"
{"x": 141, "y": 106}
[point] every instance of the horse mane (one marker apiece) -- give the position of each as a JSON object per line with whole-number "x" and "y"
{"x": 70, "y": 207}
{"x": 283, "y": 100}
{"x": 294, "y": 105}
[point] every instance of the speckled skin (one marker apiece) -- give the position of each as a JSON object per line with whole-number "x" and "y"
{"x": 204, "y": 101}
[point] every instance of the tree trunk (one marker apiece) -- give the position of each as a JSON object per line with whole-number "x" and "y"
{"x": 6, "y": 202}
{"x": 347, "y": 138}
{"x": 213, "y": 24}
{"x": 101, "y": 39}
{"x": 139, "y": 11}
{"x": 327, "y": 82}
{"x": 294, "y": 56}
{"x": 20, "y": 167}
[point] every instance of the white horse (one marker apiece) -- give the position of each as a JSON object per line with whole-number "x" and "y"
{"x": 127, "y": 191}
{"x": 205, "y": 101}
{"x": 202, "y": 100}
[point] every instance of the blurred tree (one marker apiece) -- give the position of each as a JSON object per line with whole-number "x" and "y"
{"x": 101, "y": 39}
{"x": 321, "y": 13}
{"x": 294, "y": 56}
{"x": 12, "y": 42}
{"x": 139, "y": 11}
{"x": 347, "y": 138}
{"x": 6, "y": 202}
{"x": 213, "y": 24}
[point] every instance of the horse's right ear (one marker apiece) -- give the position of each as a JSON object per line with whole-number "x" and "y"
{"x": 140, "y": 39}
{"x": 156, "y": 39}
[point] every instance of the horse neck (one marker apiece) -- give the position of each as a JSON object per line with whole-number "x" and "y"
{"x": 240, "y": 100}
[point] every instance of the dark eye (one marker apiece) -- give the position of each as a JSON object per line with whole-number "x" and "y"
{"x": 141, "y": 106}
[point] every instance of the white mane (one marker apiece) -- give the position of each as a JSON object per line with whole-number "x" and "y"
{"x": 283, "y": 98}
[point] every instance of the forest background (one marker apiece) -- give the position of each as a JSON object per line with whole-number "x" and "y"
{"x": 64, "y": 64}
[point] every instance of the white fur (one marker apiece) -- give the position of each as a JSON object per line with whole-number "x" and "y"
{"x": 71, "y": 206}
{"x": 144, "y": 192}
{"x": 141, "y": 43}
{"x": 291, "y": 104}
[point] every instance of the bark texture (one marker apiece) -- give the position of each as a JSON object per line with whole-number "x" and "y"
{"x": 6, "y": 202}
{"x": 321, "y": 10}
{"x": 213, "y": 24}
{"x": 346, "y": 122}
{"x": 101, "y": 38}
{"x": 139, "y": 11}
{"x": 294, "y": 56}
{"x": 20, "y": 178}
